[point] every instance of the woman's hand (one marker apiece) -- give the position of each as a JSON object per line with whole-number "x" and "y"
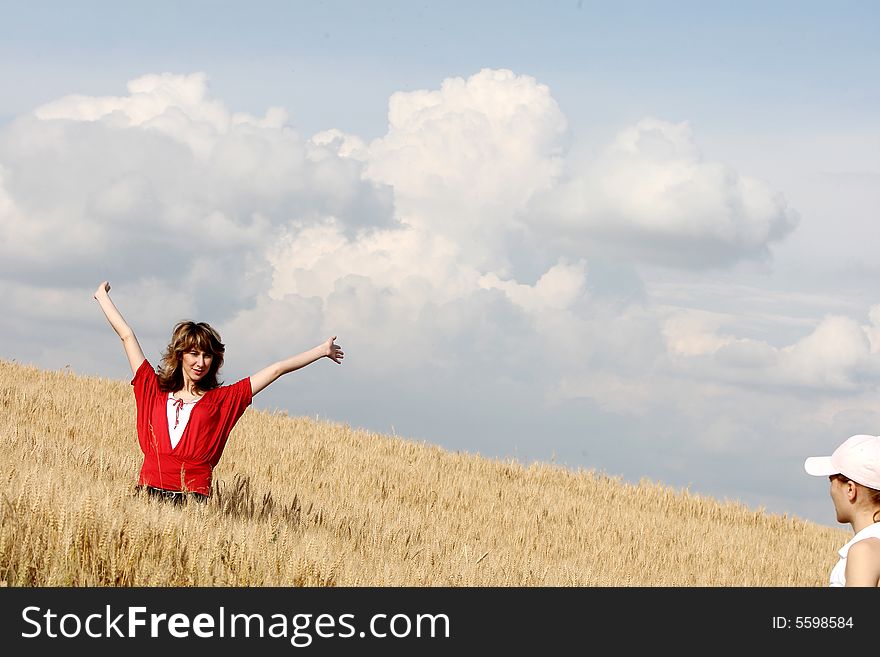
{"x": 333, "y": 351}
{"x": 102, "y": 290}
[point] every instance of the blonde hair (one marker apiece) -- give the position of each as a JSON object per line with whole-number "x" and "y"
{"x": 185, "y": 336}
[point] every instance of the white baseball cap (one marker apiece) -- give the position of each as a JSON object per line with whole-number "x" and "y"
{"x": 858, "y": 458}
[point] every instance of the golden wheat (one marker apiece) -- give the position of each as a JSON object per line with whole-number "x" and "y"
{"x": 304, "y": 503}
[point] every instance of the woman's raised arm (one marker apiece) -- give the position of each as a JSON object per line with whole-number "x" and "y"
{"x": 269, "y": 374}
{"x": 123, "y": 330}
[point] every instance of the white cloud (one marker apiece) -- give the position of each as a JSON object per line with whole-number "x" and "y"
{"x": 872, "y": 331}
{"x": 464, "y": 160}
{"x": 560, "y": 287}
{"x": 159, "y": 181}
{"x": 310, "y": 260}
{"x": 837, "y": 355}
{"x": 345, "y": 145}
{"x": 691, "y": 332}
{"x": 179, "y": 106}
{"x": 830, "y": 357}
{"x": 652, "y": 196}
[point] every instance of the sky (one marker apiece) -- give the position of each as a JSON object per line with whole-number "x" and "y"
{"x": 636, "y": 238}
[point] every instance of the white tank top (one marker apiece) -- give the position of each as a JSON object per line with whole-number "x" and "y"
{"x": 178, "y": 416}
{"x": 838, "y": 573}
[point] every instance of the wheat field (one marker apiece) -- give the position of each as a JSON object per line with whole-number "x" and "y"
{"x": 299, "y": 502}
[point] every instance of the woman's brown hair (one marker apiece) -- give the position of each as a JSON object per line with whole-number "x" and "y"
{"x": 874, "y": 496}
{"x": 188, "y": 335}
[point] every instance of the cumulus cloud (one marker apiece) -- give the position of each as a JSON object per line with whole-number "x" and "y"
{"x": 651, "y": 195}
{"x": 179, "y": 106}
{"x": 839, "y": 354}
{"x": 558, "y": 288}
{"x": 693, "y": 332}
{"x": 165, "y": 182}
{"x": 311, "y": 259}
{"x": 465, "y": 160}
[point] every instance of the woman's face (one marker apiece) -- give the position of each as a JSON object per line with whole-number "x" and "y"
{"x": 196, "y": 364}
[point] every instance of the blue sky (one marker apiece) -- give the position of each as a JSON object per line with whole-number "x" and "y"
{"x": 637, "y": 237}
{"x": 777, "y": 63}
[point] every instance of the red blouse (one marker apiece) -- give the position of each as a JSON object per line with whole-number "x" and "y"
{"x": 187, "y": 466}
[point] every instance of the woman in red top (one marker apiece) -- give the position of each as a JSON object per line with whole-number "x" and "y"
{"x": 184, "y": 414}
